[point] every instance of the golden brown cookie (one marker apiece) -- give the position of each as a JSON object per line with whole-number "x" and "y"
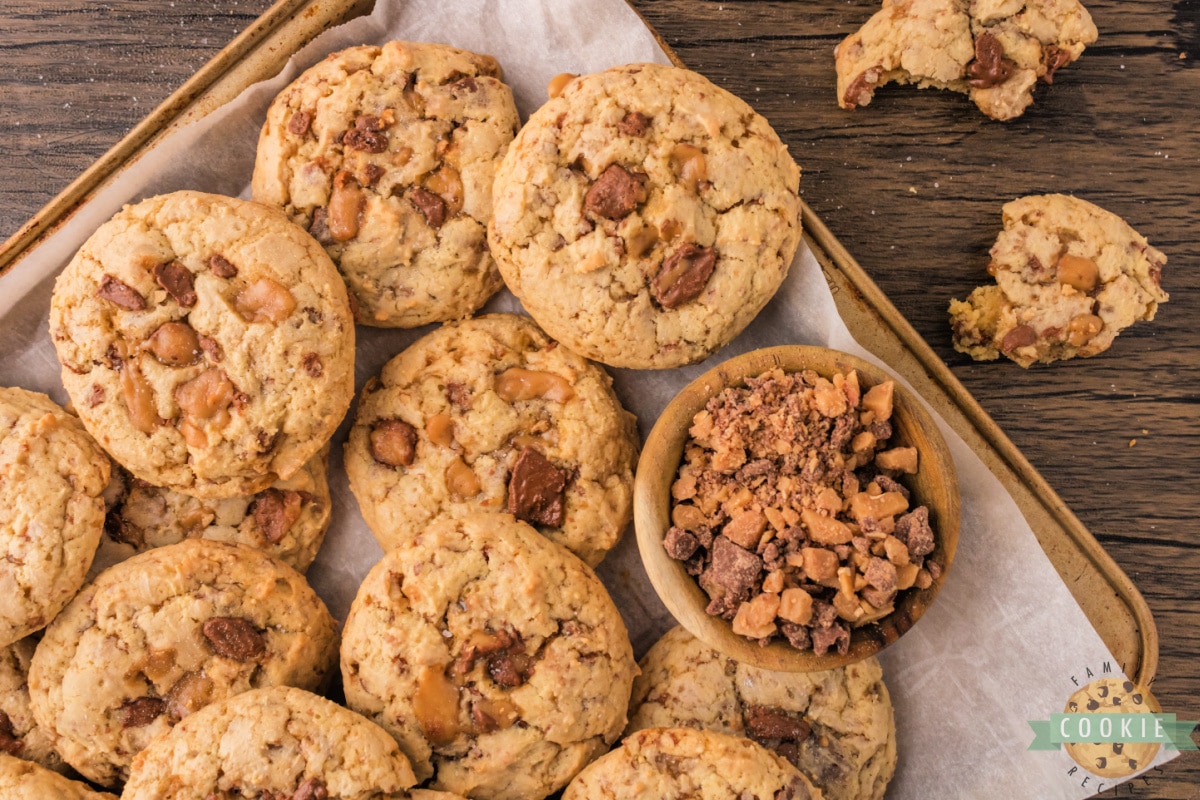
{"x": 644, "y": 216}
{"x": 20, "y": 735}
{"x": 206, "y": 343}
{"x": 386, "y": 156}
{"x": 492, "y": 414}
{"x": 494, "y": 656}
{"x": 25, "y": 780}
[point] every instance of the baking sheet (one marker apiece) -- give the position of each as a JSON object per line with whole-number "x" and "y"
{"x": 1005, "y": 639}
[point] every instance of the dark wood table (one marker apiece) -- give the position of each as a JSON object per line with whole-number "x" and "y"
{"x": 912, "y": 186}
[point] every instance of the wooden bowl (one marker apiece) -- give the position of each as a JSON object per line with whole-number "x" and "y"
{"x": 935, "y": 485}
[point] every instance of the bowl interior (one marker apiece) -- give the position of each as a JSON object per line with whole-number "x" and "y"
{"x": 935, "y": 485}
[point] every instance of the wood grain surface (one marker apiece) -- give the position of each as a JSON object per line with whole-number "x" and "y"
{"x": 912, "y": 185}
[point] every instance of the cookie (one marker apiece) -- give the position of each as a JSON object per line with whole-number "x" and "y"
{"x": 164, "y": 634}
{"x": 644, "y": 216}
{"x": 51, "y": 511}
{"x": 287, "y": 520}
{"x": 386, "y": 155}
{"x": 835, "y": 725}
{"x": 494, "y": 656}
{"x": 995, "y": 51}
{"x": 1069, "y": 277}
{"x": 492, "y": 414}
{"x": 25, "y": 780}
{"x": 279, "y": 742}
{"x": 679, "y": 763}
{"x": 20, "y": 735}
{"x": 206, "y": 343}
{"x": 1111, "y": 759}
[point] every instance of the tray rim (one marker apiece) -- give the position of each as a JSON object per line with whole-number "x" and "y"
{"x": 249, "y": 57}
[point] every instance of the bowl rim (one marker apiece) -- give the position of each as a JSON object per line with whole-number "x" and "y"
{"x": 681, "y": 593}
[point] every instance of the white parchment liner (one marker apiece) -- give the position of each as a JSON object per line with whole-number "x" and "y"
{"x": 1005, "y": 639}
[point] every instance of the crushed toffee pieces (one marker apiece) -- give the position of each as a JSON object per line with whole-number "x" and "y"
{"x": 789, "y": 511}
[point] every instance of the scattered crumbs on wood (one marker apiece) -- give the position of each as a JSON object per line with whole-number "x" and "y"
{"x": 1132, "y": 442}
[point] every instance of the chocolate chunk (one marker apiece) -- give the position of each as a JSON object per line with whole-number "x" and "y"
{"x": 634, "y": 123}
{"x": 312, "y": 365}
{"x": 9, "y": 741}
{"x": 859, "y": 92}
{"x": 990, "y": 68}
{"x": 880, "y": 573}
{"x": 891, "y": 485}
{"x": 274, "y": 511}
{"x": 315, "y": 317}
{"x": 431, "y": 206}
{"x": 684, "y": 275}
{"x": 843, "y": 432}
{"x": 1054, "y": 58}
{"x": 510, "y": 668}
{"x": 221, "y": 267}
{"x": 795, "y": 790}
{"x": 459, "y": 395}
{"x": 311, "y": 789}
{"x": 141, "y": 712}
{"x": 177, "y": 280}
{"x": 393, "y": 442}
{"x": 371, "y": 174}
{"x": 679, "y": 544}
{"x": 299, "y": 123}
{"x": 465, "y": 84}
{"x": 95, "y": 396}
{"x": 121, "y": 294}
{"x": 824, "y": 614}
{"x": 234, "y": 637}
{"x": 367, "y": 135}
{"x": 616, "y": 193}
{"x": 881, "y": 430}
{"x": 836, "y": 635}
{"x": 763, "y": 722}
{"x": 122, "y": 531}
{"x": 535, "y": 490}
{"x": 878, "y": 597}
{"x": 318, "y": 228}
{"x": 1020, "y": 336}
{"x": 732, "y": 572}
{"x": 211, "y": 348}
{"x": 914, "y": 530}
{"x": 797, "y": 635}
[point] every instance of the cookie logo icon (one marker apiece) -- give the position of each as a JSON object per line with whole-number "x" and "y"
{"x": 1110, "y": 759}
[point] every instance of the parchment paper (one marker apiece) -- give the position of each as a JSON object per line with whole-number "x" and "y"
{"x": 1005, "y": 639}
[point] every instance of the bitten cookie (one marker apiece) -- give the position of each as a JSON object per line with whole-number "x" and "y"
{"x": 492, "y": 414}
{"x": 494, "y": 656}
{"x": 644, "y": 216}
{"x": 1069, "y": 276}
{"x": 25, "y": 780}
{"x": 287, "y": 520}
{"x": 277, "y": 742}
{"x": 206, "y": 343}
{"x": 835, "y": 725}
{"x": 20, "y": 735}
{"x": 386, "y": 155}
{"x": 51, "y": 511}
{"x": 689, "y": 764}
{"x": 993, "y": 50}
{"x": 164, "y": 634}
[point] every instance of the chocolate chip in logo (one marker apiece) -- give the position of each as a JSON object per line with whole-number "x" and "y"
{"x": 235, "y": 638}
{"x": 177, "y": 280}
{"x": 616, "y": 193}
{"x": 535, "y": 490}
{"x": 120, "y": 294}
{"x": 222, "y": 267}
{"x": 431, "y": 206}
{"x": 141, "y": 712}
{"x": 683, "y": 275}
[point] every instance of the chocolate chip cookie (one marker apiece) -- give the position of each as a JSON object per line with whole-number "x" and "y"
{"x": 386, "y": 155}
{"x": 20, "y": 735}
{"x": 835, "y": 725}
{"x": 689, "y": 764}
{"x": 995, "y": 51}
{"x": 1070, "y": 276}
{"x": 278, "y": 742}
{"x": 494, "y": 656}
{"x": 644, "y": 216}
{"x": 206, "y": 343}
{"x": 52, "y": 475}
{"x": 492, "y": 414}
{"x": 287, "y": 520}
{"x": 25, "y": 780}
{"x": 164, "y": 634}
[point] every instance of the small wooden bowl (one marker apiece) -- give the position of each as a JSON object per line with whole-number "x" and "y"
{"x": 935, "y": 485}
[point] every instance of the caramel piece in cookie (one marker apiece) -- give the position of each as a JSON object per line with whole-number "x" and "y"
{"x": 278, "y": 742}
{"x": 688, "y": 764}
{"x": 288, "y": 519}
{"x": 235, "y": 364}
{"x": 25, "y": 780}
{"x": 835, "y": 725}
{"x": 491, "y": 414}
{"x": 386, "y": 156}
{"x": 158, "y": 637}
{"x": 52, "y": 475}
{"x": 644, "y": 216}
{"x": 495, "y": 657}
{"x": 1070, "y": 276}
{"x": 995, "y": 51}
